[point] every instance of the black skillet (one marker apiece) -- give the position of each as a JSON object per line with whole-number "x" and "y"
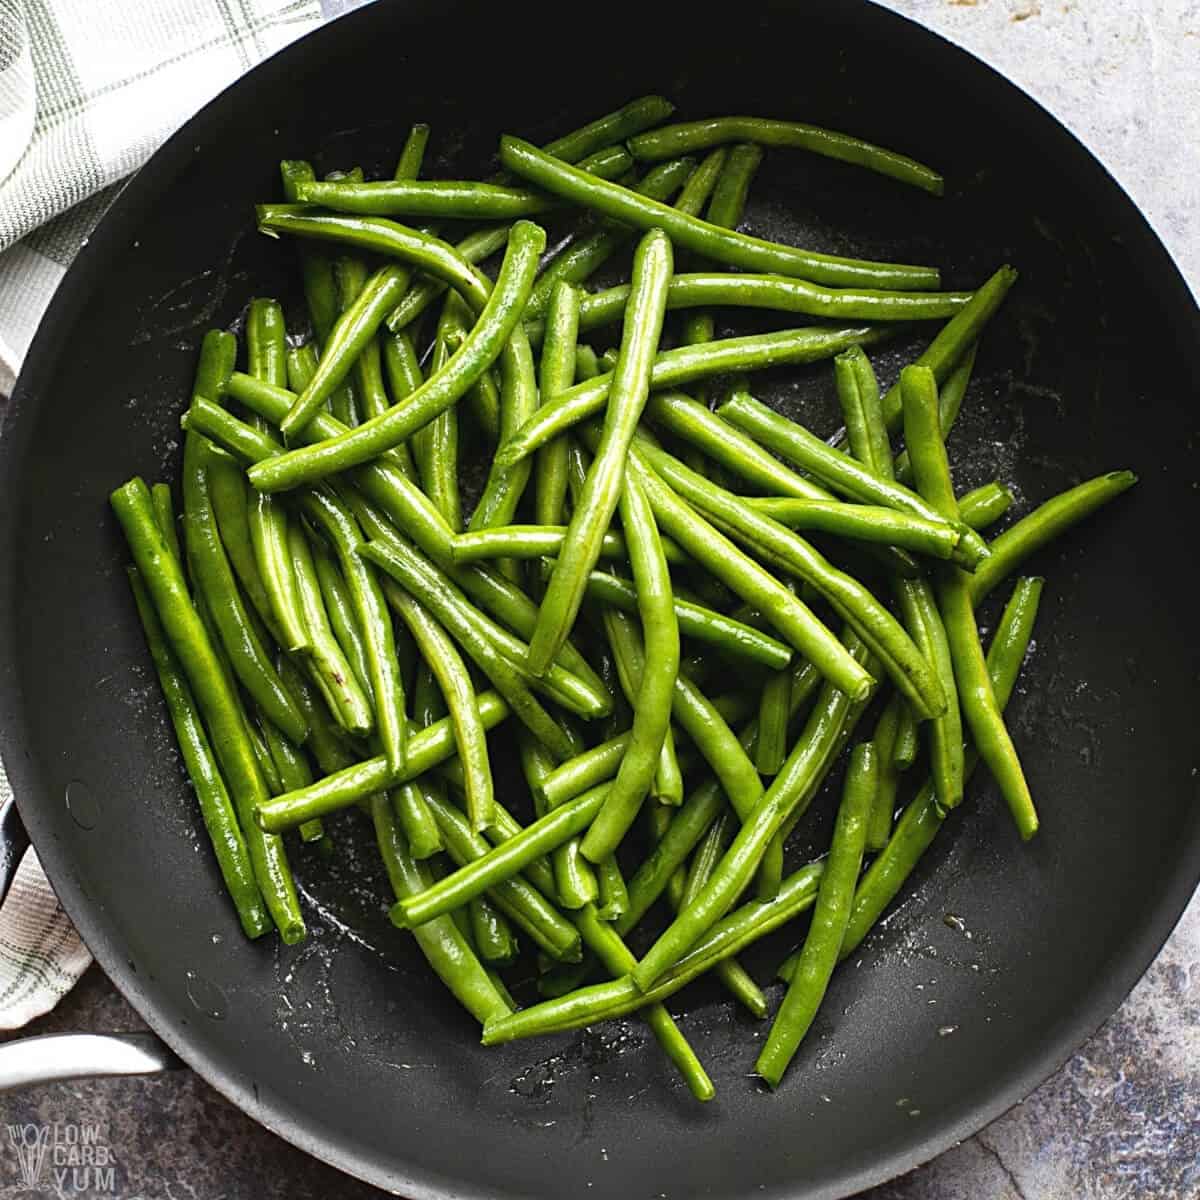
{"x": 345, "y": 1045}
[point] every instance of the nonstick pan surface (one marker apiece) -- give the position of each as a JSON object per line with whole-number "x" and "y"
{"x": 345, "y": 1045}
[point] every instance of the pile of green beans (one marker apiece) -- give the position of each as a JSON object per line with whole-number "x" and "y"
{"x": 427, "y": 518}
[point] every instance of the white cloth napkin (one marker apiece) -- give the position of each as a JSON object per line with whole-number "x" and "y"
{"x": 114, "y": 79}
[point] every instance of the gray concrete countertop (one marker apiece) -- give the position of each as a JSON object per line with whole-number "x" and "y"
{"x": 1121, "y": 1120}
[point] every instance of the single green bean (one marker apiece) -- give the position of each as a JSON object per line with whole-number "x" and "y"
{"x": 316, "y": 266}
{"x": 556, "y": 375}
{"x": 412, "y": 154}
{"x": 686, "y": 364}
{"x": 164, "y": 513}
{"x": 923, "y": 817}
{"x": 441, "y": 199}
{"x": 1050, "y": 519}
{"x": 771, "y": 748}
{"x": 858, "y": 394}
{"x": 435, "y": 447}
{"x": 691, "y": 233}
{"x": 216, "y": 809}
{"x": 950, "y": 397}
{"x": 477, "y": 352}
{"x": 985, "y": 505}
{"x": 879, "y": 823}
{"x": 830, "y": 917}
{"x": 162, "y": 575}
{"x": 907, "y": 743}
{"x": 686, "y": 137}
{"x": 490, "y": 931}
{"x": 660, "y": 668}
{"x": 444, "y": 947}
{"x": 606, "y": 477}
{"x": 613, "y": 901}
{"x": 954, "y": 339}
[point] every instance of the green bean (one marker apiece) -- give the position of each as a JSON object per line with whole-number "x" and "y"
{"x": 695, "y": 621}
{"x": 164, "y": 513}
{"x": 518, "y": 401}
{"x": 660, "y": 668}
{"x": 332, "y": 672}
{"x": 294, "y": 772}
{"x": 518, "y": 899}
{"x": 301, "y": 365}
{"x": 683, "y": 138}
{"x": 954, "y": 339}
{"x": 776, "y": 293}
{"x": 316, "y": 267}
{"x": 862, "y": 522}
{"x": 337, "y": 523}
{"x": 350, "y": 273}
{"x": 886, "y": 638}
{"x": 583, "y": 257}
{"x": 502, "y": 862}
{"x": 440, "y": 199}
{"x": 923, "y": 817}
{"x": 435, "y": 447}
{"x": 1050, "y": 519}
{"x": 919, "y": 608}
{"x": 352, "y": 333}
{"x": 465, "y": 624}
{"x": 557, "y": 373}
{"x": 218, "y": 704}
{"x": 606, "y": 1001}
{"x": 594, "y": 511}
{"x": 575, "y": 882}
{"x": 444, "y": 947}
{"x": 629, "y": 655}
{"x": 771, "y": 748}
{"x": 262, "y": 755}
{"x": 478, "y": 351}
{"x": 267, "y": 520}
{"x": 414, "y": 799}
{"x": 985, "y": 505}
{"x": 475, "y": 248}
{"x": 786, "y": 612}
{"x": 214, "y": 579}
{"x": 686, "y": 364}
{"x": 858, "y": 394}
{"x": 931, "y": 470}
{"x": 950, "y": 398}
{"x": 904, "y": 752}
{"x": 700, "y": 237}
{"x": 412, "y": 154}
{"x": 326, "y": 739}
{"x": 879, "y": 822}
{"x": 443, "y": 659}
{"x": 342, "y": 789}
{"x": 830, "y": 916}
{"x": 229, "y": 495}
{"x": 493, "y": 938}
{"x": 790, "y": 792}
{"x": 216, "y": 809}
{"x": 538, "y": 541}
{"x": 613, "y": 901}
{"x": 616, "y": 126}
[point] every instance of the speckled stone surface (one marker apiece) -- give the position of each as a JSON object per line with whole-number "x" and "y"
{"x": 1121, "y": 1120}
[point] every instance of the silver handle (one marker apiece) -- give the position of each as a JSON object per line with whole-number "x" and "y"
{"x": 59, "y": 1056}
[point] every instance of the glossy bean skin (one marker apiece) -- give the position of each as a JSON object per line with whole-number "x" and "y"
{"x": 556, "y": 374}
{"x": 985, "y": 505}
{"x": 686, "y": 137}
{"x": 819, "y": 955}
{"x": 700, "y": 237}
